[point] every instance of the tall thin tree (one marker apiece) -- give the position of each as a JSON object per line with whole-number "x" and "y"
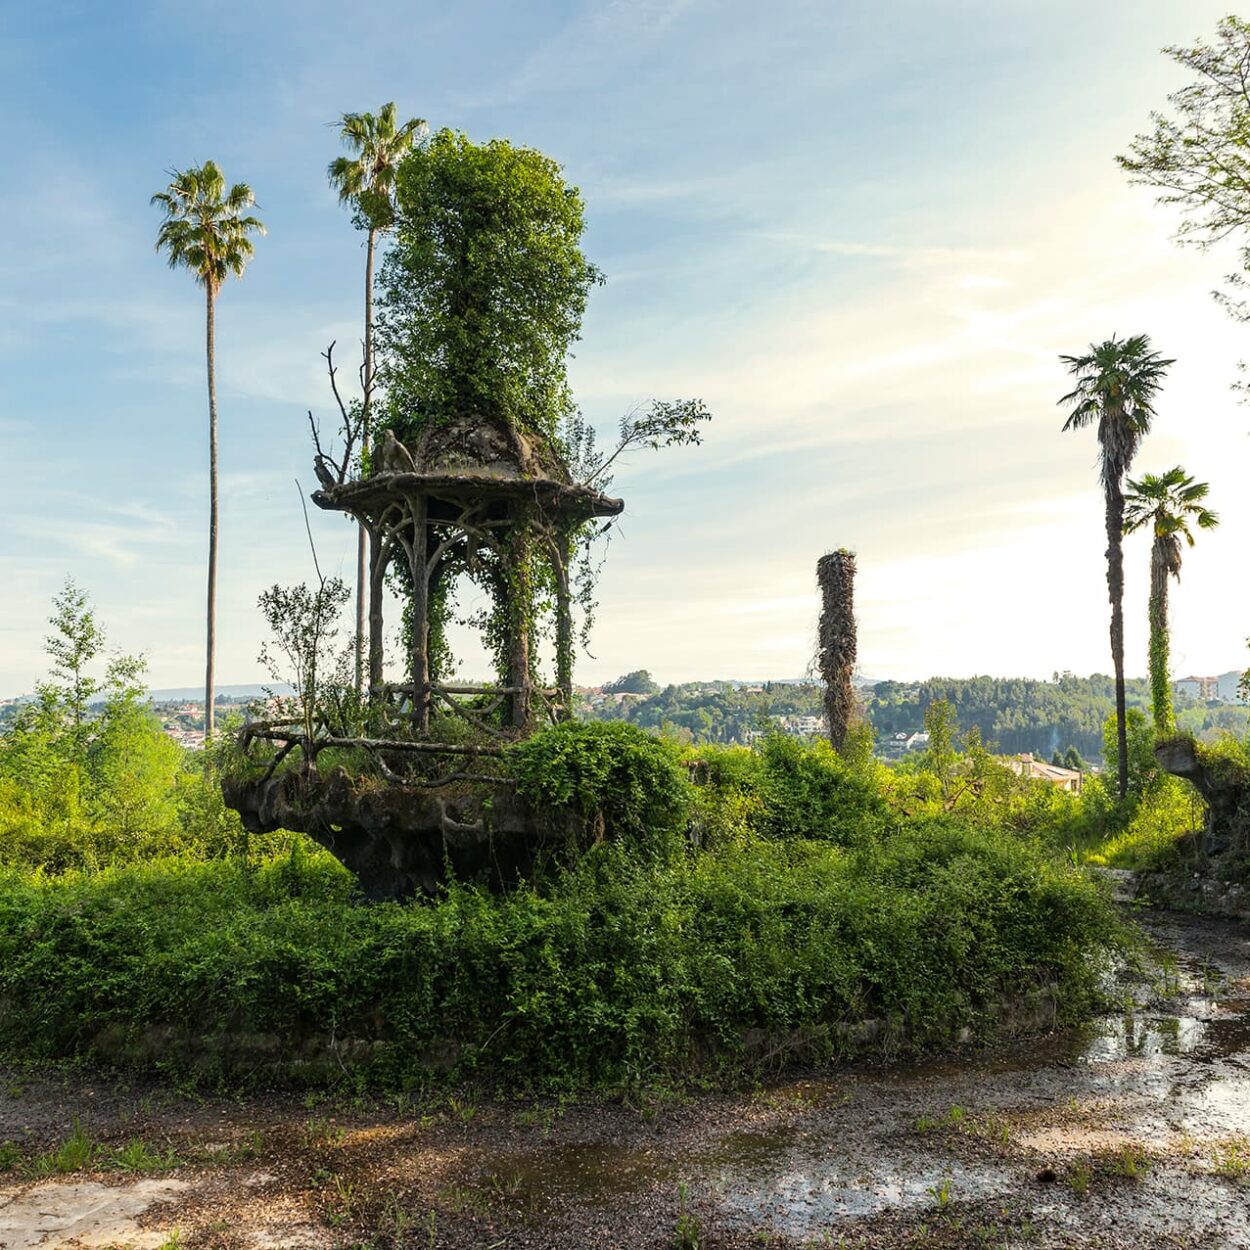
{"x": 207, "y": 230}
{"x": 365, "y": 182}
{"x": 1116, "y": 383}
{"x": 1169, "y": 503}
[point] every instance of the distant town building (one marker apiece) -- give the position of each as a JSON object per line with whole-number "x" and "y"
{"x": 1062, "y": 778}
{"x": 1222, "y": 689}
{"x": 1228, "y": 687}
{"x": 802, "y": 726}
{"x": 895, "y": 746}
{"x": 1198, "y": 687}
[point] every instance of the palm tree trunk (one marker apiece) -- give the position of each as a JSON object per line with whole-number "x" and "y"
{"x": 1115, "y": 592}
{"x": 1161, "y": 693}
{"x": 835, "y": 575}
{"x": 362, "y": 541}
{"x": 211, "y": 622}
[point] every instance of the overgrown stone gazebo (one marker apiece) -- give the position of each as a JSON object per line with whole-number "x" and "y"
{"x": 473, "y": 495}
{"x": 476, "y": 496}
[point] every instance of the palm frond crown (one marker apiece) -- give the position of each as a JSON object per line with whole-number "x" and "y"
{"x": 366, "y": 180}
{"x": 1116, "y": 385}
{"x": 1171, "y": 504}
{"x": 207, "y": 228}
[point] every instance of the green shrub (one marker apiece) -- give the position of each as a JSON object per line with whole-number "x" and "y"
{"x": 625, "y": 968}
{"x": 614, "y": 778}
{"x": 1157, "y": 833}
{"x": 808, "y": 791}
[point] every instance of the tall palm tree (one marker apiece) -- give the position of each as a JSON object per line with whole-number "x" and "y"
{"x": 366, "y": 182}
{"x": 1116, "y": 383}
{"x": 1168, "y": 503}
{"x": 207, "y": 230}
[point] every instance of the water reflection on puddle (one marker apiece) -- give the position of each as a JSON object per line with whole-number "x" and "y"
{"x": 800, "y": 1195}
{"x": 1139, "y": 1037}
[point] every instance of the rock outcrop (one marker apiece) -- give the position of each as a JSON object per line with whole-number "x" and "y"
{"x": 1223, "y": 784}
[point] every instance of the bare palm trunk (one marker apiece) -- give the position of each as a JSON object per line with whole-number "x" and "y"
{"x": 1115, "y": 592}
{"x": 1161, "y": 694}
{"x": 362, "y": 542}
{"x": 211, "y": 623}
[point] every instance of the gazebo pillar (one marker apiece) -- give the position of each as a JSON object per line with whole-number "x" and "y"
{"x": 419, "y": 656}
{"x": 560, "y": 559}
{"x": 379, "y": 559}
{"x": 518, "y": 597}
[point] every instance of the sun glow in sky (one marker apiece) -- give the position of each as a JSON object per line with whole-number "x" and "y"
{"x": 862, "y": 232}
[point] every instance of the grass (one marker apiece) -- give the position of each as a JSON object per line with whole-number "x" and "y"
{"x": 987, "y": 1126}
{"x": 80, "y": 1152}
{"x": 1231, "y": 1158}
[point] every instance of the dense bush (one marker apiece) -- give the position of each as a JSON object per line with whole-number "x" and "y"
{"x": 619, "y": 970}
{"x": 758, "y": 916}
{"x": 614, "y": 778}
{"x": 809, "y": 792}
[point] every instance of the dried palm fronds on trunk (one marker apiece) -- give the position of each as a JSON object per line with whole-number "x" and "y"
{"x": 835, "y": 574}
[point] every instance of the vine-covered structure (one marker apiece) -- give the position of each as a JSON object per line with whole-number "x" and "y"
{"x": 472, "y": 496}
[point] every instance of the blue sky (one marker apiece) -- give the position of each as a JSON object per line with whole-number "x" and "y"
{"x": 861, "y": 232}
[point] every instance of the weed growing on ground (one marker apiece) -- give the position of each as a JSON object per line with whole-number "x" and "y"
{"x": 989, "y": 1126}
{"x": 942, "y": 1193}
{"x": 77, "y": 1153}
{"x": 137, "y": 1156}
{"x": 1231, "y": 1158}
{"x": 1080, "y": 1177}
{"x": 687, "y": 1235}
{"x": 1130, "y": 1162}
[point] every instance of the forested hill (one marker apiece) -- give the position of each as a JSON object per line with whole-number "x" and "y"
{"x": 1018, "y": 714}
{"x": 1013, "y": 714}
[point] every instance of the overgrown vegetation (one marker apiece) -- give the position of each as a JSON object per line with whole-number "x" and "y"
{"x": 729, "y": 906}
{"x": 87, "y": 777}
{"x": 760, "y": 916}
{"x": 618, "y": 971}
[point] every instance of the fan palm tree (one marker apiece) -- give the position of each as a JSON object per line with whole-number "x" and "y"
{"x": 366, "y": 182}
{"x": 1116, "y": 383}
{"x": 207, "y": 230}
{"x": 1169, "y": 503}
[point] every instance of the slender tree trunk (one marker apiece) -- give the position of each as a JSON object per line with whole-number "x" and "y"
{"x": 1160, "y": 690}
{"x": 362, "y": 541}
{"x": 210, "y": 296}
{"x": 419, "y": 654}
{"x": 517, "y": 604}
{"x": 1115, "y": 592}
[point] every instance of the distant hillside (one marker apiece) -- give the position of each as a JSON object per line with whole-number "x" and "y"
{"x": 195, "y": 694}
{"x": 1013, "y": 714}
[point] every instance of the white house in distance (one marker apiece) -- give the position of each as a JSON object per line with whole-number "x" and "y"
{"x": 1227, "y": 687}
{"x": 1223, "y": 688}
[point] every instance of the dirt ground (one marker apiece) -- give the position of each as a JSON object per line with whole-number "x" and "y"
{"x": 1133, "y": 1132}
